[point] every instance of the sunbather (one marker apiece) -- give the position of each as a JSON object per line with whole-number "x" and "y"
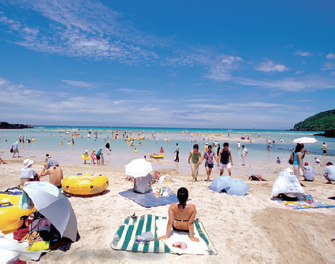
{"x": 181, "y": 216}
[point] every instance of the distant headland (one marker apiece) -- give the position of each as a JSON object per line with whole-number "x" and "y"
{"x": 5, "y": 125}
{"x": 324, "y": 121}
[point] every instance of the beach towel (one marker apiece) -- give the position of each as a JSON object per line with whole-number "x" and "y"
{"x": 296, "y": 205}
{"x": 150, "y": 199}
{"x": 124, "y": 238}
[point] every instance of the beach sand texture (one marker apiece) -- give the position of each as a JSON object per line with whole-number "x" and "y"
{"x": 245, "y": 229}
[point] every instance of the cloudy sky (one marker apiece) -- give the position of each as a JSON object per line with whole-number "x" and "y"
{"x": 203, "y": 64}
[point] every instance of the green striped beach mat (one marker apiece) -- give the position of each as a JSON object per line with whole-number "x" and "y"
{"x": 124, "y": 238}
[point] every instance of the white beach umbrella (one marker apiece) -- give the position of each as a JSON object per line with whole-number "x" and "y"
{"x": 304, "y": 140}
{"x": 51, "y": 203}
{"x": 138, "y": 168}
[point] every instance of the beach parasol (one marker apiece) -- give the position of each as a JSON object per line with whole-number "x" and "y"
{"x": 138, "y": 168}
{"x": 231, "y": 185}
{"x": 237, "y": 187}
{"x": 219, "y": 184}
{"x": 52, "y": 204}
{"x": 304, "y": 140}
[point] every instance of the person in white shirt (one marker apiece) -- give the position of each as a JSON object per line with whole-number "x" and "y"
{"x": 244, "y": 154}
{"x": 329, "y": 172}
{"x": 28, "y": 173}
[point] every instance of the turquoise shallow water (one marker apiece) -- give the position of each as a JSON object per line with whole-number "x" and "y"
{"x": 48, "y": 140}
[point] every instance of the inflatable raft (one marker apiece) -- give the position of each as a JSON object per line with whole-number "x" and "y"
{"x": 85, "y": 184}
{"x": 156, "y": 156}
{"x": 10, "y": 213}
{"x": 85, "y": 157}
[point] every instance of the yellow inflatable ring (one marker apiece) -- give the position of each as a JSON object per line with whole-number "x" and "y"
{"x": 85, "y": 157}
{"x": 10, "y": 212}
{"x": 85, "y": 184}
{"x": 157, "y": 156}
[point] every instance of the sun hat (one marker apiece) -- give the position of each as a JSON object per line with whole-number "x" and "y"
{"x": 306, "y": 163}
{"x": 86, "y": 150}
{"x": 52, "y": 163}
{"x": 93, "y": 149}
{"x": 206, "y": 143}
{"x": 329, "y": 163}
{"x": 27, "y": 163}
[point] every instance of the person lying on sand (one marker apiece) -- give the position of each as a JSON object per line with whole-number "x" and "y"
{"x": 181, "y": 216}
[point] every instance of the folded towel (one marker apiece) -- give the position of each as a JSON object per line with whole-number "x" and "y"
{"x": 199, "y": 248}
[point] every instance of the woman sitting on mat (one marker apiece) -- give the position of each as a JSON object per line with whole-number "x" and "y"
{"x": 181, "y": 216}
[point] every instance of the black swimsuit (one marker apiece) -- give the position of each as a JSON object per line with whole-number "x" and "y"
{"x": 176, "y": 229}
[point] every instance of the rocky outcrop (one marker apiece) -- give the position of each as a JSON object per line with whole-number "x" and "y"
{"x": 330, "y": 133}
{"x": 5, "y": 125}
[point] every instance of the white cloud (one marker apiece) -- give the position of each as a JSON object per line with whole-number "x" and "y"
{"x": 270, "y": 66}
{"x": 328, "y": 66}
{"x": 303, "y": 53}
{"x": 80, "y": 84}
{"x": 221, "y": 67}
{"x": 330, "y": 56}
{"x": 83, "y": 29}
{"x": 291, "y": 84}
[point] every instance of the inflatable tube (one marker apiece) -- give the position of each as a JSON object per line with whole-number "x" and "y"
{"x": 85, "y": 157}
{"x": 10, "y": 212}
{"x": 85, "y": 184}
{"x": 33, "y": 139}
{"x": 157, "y": 156}
{"x": 142, "y": 138}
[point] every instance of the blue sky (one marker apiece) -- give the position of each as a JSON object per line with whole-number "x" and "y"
{"x": 203, "y": 64}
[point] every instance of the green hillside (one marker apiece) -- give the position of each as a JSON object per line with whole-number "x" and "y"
{"x": 320, "y": 122}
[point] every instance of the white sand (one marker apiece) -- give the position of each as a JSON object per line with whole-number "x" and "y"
{"x": 252, "y": 228}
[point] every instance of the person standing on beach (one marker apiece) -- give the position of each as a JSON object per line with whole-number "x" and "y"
{"x": 177, "y": 153}
{"x": 93, "y": 156}
{"x": 15, "y": 148}
{"x": 299, "y": 154}
{"x": 98, "y": 155}
{"x": 324, "y": 148}
{"x": 194, "y": 156}
{"x": 86, "y": 155}
{"x": 209, "y": 164}
{"x": 108, "y": 148}
{"x": 225, "y": 159}
{"x": 206, "y": 148}
{"x": 244, "y": 154}
{"x": 51, "y": 168}
{"x": 238, "y": 145}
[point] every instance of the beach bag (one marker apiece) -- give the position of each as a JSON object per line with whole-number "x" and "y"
{"x": 19, "y": 234}
{"x": 291, "y": 159}
{"x": 11, "y": 150}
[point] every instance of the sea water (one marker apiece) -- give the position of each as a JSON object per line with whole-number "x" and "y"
{"x": 54, "y": 141}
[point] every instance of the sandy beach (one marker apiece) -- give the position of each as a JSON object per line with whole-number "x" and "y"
{"x": 252, "y": 228}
